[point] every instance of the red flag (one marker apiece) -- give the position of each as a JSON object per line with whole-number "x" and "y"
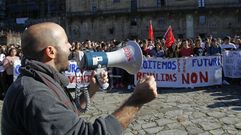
{"x": 169, "y": 37}
{"x": 150, "y": 33}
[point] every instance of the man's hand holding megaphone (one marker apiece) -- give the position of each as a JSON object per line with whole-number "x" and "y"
{"x": 94, "y": 85}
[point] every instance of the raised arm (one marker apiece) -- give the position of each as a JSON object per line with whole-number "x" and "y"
{"x": 144, "y": 92}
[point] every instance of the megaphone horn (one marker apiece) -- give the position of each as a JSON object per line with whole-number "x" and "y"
{"x": 128, "y": 58}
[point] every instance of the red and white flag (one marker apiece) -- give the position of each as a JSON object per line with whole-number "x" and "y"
{"x": 169, "y": 37}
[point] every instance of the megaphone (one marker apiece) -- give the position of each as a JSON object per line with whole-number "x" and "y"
{"x": 128, "y": 58}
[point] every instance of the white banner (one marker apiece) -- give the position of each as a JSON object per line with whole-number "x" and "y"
{"x": 183, "y": 72}
{"x": 232, "y": 64}
{"x": 74, "y": 75}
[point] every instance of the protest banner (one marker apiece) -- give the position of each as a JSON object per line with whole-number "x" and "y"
{"x": 183, "y": 72}
{"x": 232, "y": 64}
{"x": 74, "y": 74}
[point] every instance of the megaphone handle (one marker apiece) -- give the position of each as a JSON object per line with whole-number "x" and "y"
{"x": 103, "y": 86}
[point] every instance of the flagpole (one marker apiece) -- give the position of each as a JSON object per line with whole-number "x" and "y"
{"x": 152, "y": 31}
{"x": 167, "y": 31}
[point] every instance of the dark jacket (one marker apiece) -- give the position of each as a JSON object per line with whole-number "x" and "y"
{"x": 214, "y": 50}
{"x": 37, "y": 103}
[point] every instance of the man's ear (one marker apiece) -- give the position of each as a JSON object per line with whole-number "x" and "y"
{"x": 50, "y": 52}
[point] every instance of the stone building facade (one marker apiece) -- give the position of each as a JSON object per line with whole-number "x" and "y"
{"x": 122, "y": 19}
{"x": 19, "y": 14}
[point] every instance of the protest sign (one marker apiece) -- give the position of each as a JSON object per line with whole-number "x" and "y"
{"x": 232, "y": 64}
{"x": 74, "y": 74}
{"x": 183, "y": 72}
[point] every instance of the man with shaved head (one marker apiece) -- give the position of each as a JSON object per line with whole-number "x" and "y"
{"x": 38, "y": 102}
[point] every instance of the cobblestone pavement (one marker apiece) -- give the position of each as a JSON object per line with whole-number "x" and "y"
{"x": 206, "y": 111}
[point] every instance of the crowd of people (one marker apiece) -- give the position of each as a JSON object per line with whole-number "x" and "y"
{"x": 40, "y": 96}
{"x": 190, "y": 47}
{"x": 181, "y": 48}
{"x": 8, "y": 55}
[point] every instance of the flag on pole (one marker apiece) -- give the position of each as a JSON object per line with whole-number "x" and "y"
{"x": 150, "y": 33}
{"x": 169, "y": 37}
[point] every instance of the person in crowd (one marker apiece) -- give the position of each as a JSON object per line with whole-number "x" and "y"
{"x": 190, "y": 43}
{"x": 214, "y": 48}
{"x": 150, "y": 44}
{"x": 145, "y": 49}
{"x": 207, "y": 45}
{"x": 72, "y": 48}
{"x": 98, "y": 47}
{"x": 186, "y": 50}
{"x": 170, "y": 52}
{"x": 198, "y": 50}
{"x": 227, "y": 45}
{"x": 38, "y": 103}
{"x": 87, "y": 46}
{"x": 8, "y": 65}
{"x": 238, "y": 42}
{"x": 219, "y": 41}
{"x": 104, "y": 47}
{"x": 77, "y": 53}
{"x": 157, "y": 51}
{"x": 208, "y": 42}
{"x": 176, "y": 47}
{"x": 202, "y": 43}
{"x": 2, "y": 73}
{"x": 209, "y": 38}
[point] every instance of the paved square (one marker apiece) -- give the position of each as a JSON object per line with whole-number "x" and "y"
{"x": 202, "y": 111}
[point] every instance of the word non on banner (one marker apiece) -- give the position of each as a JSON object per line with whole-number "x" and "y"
{"x": 183, "y": 72}
{"x": 232, "y": 64}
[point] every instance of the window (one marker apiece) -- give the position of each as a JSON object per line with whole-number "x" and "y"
{"x": 163, "y": 2}
{"x": 160, "y": 3}
{"x": 161, "y": 21}
{"x": 94, "y": 9}
{"x": 201, "y": 3}
{"x": 202, "y": 19}
{"x": 133, "y": 22}
{"x": 133, "y": 5}
{"x": 116, "y": 1}
{"x": 239, "y": 19}
{"x": 111, "y": 31}
{"x": 202, "y": 35}
{"x": 180, "y": 36}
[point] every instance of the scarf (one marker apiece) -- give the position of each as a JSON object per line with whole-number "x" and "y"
{"x": 49, "y": 76}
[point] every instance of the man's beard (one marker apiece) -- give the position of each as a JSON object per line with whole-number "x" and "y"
{"x": 61, "y": 61}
